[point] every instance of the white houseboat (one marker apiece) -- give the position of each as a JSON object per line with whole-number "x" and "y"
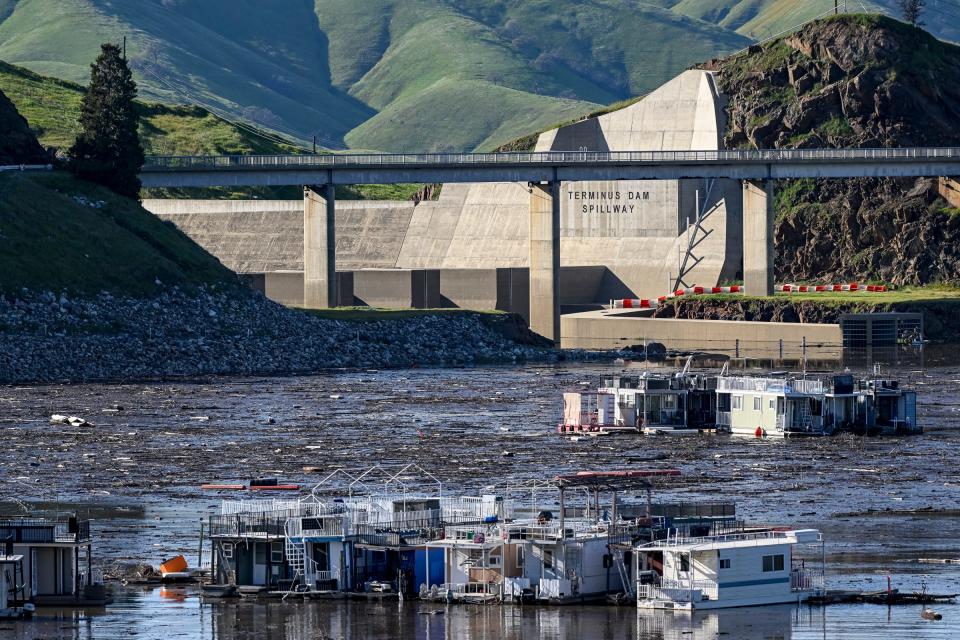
{"x": 738, "y": 569}
{"x": 649, "y": 403}
{"x": 783, "y": 406}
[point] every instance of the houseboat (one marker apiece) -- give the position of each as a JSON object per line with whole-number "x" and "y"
{"x": 54, "y": 558}
{"x": 364, "y": 540}
{"x": 767, "y": 406}
{"x": 576, "y": 552}
{"x": 776, "y": 404}
{"x": 732, "y": 569}
{"x": 887, "y": 408}
{"x": 649, "y": 403}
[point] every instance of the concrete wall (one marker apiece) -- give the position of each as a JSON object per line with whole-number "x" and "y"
{"x": 260, "y": 236}
{"x": 609, "y": 330}
{"x": 397, "y": 288}
{"x": 637, "y": 230}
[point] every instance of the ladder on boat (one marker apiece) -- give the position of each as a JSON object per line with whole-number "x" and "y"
{"x": 621, "y": 564}
{"x": 296, "y": 554}
{"x": 805, "y": 419}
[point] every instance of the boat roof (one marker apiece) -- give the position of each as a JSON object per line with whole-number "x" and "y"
{"x": 737, "y": 540}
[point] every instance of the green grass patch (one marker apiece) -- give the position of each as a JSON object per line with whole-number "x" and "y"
{"x": 836, "y": 127}
{"x": 52, "y": 239}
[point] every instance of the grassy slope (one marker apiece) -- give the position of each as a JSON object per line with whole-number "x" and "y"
{"x": 49, "y": 241}
{"x": 213, "y": 52}
{"x": 52, "y": 107}
{"x": 331, "y": 67}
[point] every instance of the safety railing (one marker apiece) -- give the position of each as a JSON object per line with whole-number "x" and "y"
{"x": 550, "y": 158}
{"x": 804, "y": 580}
{"x": 471, "y": 588}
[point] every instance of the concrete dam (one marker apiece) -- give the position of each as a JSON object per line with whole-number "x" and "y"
{"x": 470, "y": 247}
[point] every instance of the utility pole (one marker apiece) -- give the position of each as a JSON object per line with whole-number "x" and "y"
{"x": 314, "y": 145}
{"x": 124, "y": 47}
{"x": 836, "y": 7}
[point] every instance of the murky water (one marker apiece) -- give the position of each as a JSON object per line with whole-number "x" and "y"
{"x": 138, "y": 475}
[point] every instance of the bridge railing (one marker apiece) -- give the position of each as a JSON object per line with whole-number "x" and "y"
{"x": 550, "y": 158}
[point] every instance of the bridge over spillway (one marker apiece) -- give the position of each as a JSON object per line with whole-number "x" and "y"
{"x": 543, "y": 172}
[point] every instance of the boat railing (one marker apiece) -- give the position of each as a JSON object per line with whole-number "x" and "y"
{"x": 678, "y": 590}
{"x": 773, "y": 385}
{"x": 471, "y": 588}
{"x": 807, "y": 580}
{"x": 42, "y": 530}
{"x": 683, "y": 541}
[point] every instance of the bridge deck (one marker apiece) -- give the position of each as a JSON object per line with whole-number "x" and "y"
{"x": 183, "y": 171}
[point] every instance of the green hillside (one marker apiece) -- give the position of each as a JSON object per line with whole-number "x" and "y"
{"x": 403, "y": 75}
{"x": 52, "y": 108}
{"x": 380, "y": 73}
{"x": 60, "y": 233}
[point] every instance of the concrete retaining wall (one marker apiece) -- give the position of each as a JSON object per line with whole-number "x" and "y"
{"x": 611, "y": 330}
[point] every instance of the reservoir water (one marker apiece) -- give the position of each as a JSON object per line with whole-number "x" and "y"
{"x": 882, "y": 503}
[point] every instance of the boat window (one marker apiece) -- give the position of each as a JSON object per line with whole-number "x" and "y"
{"x": 737, "y": 402}
{"x": 773, "y": 563}
{"x": 228, "y": 550}
{"x": 521, "y": 556}
{"x": 276, "y": 552}
{"x": 684, "y": 563}
{"x": 724, "y": 563}
{"x": 547, "y": 559}
{"x": 773, "y": 403}
{"x": 669, "y": 401}
{"x": 756, "y": 403}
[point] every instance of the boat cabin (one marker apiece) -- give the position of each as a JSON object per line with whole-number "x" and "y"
{"x": 736, "y": 569}
{"x": 57, "y": 560}
{"x": 887, "y": 408}
{"x": 781, "y": 406}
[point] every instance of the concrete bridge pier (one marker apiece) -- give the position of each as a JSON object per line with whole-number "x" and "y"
{"x": 545, "y": 259}
{"x": 319, "y": 247}
{"x": 758, "y": 237}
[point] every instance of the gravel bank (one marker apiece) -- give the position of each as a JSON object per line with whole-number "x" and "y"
{"x": 51, "y": 337}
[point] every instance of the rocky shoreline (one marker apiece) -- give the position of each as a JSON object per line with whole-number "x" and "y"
{"x": 46, "y": 337}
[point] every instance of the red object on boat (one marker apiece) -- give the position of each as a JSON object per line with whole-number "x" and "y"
{"x": 275, "y": 487}
{"x": 758, "y": 432}
{"x": 224, "y": 487}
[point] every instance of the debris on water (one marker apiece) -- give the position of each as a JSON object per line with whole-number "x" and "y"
{"x": 930, "y": 614}
{"x": 73, "y": 421}
{"x": 335, "y": 396}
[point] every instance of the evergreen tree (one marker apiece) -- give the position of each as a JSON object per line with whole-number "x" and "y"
{"x": 911, "y": 11}
{"x": 108, "y": 148}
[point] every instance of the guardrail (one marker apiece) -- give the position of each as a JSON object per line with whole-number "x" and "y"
{"x": 550, "y": 158}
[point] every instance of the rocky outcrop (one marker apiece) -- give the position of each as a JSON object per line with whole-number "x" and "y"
{"x": 852, "y": 81}
{"x": 48, "y": 337}
{"x": 18, "y": 145}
